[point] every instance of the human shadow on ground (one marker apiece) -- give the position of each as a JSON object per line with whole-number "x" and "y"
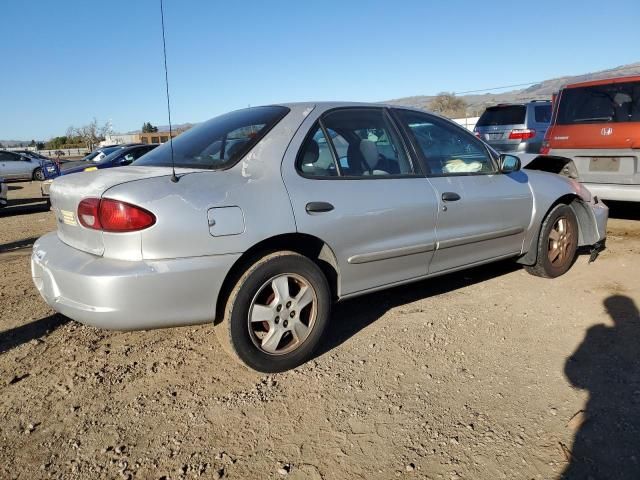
{"x": 607, "y": 365}
{"x": 351, "y": 316}
{"x": 17, "y": 336}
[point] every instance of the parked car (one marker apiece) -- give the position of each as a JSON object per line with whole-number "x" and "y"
{"x": 117, "y": 158}
{"x": 313, "y": 203}
{"x": 15, "y": 167}
{"x": 597, "y": 125}
{"x": 3, "y": 193}
{"x": 515, "y": 128}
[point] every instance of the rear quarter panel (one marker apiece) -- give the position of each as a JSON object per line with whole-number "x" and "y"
{"x": 254, "y": 185}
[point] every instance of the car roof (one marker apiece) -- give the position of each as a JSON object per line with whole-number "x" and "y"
{"x": 604, "y": 81}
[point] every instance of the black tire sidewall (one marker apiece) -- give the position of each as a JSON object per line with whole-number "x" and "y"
{"x": 38, "y": 172}
{"x": 543, "y": 258}
{"x": 239, "y": 333}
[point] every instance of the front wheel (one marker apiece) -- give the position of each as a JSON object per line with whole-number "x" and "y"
{"x": 557, "y": 244}
{"x": 276, "y": 313}
{"x": 38, "y": 174}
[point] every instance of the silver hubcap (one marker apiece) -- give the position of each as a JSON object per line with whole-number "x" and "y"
{"x": 560, "y": 240}
{"x": 282, "y": 314}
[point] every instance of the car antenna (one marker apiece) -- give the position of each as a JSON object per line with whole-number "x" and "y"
{"x": 174, "y": 177}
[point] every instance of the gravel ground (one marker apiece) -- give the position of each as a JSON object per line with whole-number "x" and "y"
{"x": 485, "y": 374}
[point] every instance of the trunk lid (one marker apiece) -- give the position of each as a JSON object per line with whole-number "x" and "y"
{"x": 67, "y": 191}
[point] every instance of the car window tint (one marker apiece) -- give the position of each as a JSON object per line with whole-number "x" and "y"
{"x": 315, "y": 157}
{"x": 542, "y": 113}
{"x": 8, "y": 157}
{"x": 503, "y": 115}
{"x": 446, "y": 149}
{"x": 366, "y": 143}
{"x": 616, "y": 102}
{"x": 219, "y": 142}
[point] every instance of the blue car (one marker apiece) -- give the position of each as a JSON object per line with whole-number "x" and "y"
{"x": 118, "y": 157}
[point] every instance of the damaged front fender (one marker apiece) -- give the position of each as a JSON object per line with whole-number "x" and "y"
{"x": 550, "y": 163}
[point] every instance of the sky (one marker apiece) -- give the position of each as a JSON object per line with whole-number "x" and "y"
{"x": 66, "y": 62}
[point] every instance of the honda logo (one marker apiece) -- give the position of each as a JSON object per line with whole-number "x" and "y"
{"x": 606, "y": 131}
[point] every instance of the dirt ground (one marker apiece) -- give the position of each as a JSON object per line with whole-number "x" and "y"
{"x": 468, "y": 376}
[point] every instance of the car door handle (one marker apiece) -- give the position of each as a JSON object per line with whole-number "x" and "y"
{"x": 450, "y": 197}
{"x": 318, "y": 207}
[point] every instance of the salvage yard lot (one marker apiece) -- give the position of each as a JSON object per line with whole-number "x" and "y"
{"x": 458, "y": 377}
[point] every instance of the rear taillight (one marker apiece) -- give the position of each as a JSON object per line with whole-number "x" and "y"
{"x": 113, "y": 215}
{"x": 546, "y": 146}
{"x": 522, "y": 134}
{"x": 476, "y": 133}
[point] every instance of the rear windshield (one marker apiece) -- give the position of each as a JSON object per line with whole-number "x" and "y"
{"x": 615, "y": 102}
{"x": 503, "y": 115}
{"x": 219, "y": 142}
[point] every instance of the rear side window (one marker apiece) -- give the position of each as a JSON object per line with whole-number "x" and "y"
{"x": 362, "y": 143}
{"x": 217, "y": 143}
{"x": 615, "y": 102}
{"x": 542, "y": 113}
{"x": 503, "y": 115}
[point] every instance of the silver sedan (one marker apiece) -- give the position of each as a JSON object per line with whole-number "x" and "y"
{"x": 273, "y": 213}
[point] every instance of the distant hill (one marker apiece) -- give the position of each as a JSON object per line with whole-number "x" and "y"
{"x": 539, "y": 91}
{"x": 15, "y": 143}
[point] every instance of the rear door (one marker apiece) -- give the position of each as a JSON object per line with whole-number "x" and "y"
{"x": 496, "y": 123}
{"x": 352, "y": 184}
{"x": 482, "y": 214}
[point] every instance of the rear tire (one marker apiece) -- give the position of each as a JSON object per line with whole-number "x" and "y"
{"x": 276, "y": 313}
{"x": 38, "y": 175}
{"x": 557, "y": 244}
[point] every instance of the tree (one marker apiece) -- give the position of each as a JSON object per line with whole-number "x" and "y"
{"x": 449, "y": 105}
{"x": 91, "y": 133}
{"x": 33, "y": 143}
{"x": 148, "y": 128}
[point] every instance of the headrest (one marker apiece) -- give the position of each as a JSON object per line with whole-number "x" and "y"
{"x": 369, "y": 153}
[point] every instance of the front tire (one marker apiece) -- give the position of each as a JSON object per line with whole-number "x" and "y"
{"x": 557, "y": 244}
{"x": 276, "y": 313}
{"x": 38, "y": 175}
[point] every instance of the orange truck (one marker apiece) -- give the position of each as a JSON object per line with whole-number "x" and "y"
{"x": 596, "y": 124}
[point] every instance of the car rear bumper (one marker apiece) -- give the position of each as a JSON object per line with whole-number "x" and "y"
{"x": 122, "y": 295}
{"x": 613, "y": 191}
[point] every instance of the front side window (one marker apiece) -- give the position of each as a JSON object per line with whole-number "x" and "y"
{"x": 446, "y": 149}
{"x": 217, "y": 143}
{"x": 362, "y": 141}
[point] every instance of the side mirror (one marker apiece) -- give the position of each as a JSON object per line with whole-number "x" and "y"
{"x": 509, "y": 163}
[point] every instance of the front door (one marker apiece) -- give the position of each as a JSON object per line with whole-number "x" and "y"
{"x": 482, "y": 214}
{"x": 355, "y": 187}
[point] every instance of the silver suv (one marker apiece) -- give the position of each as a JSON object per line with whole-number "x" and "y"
{"x": 515, "y": 127}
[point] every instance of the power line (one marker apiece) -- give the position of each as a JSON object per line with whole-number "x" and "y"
{"x": 630, "y": 67}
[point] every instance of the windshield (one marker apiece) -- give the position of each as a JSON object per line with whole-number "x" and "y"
{"x": 615, "y": 102}
{"x": 217, "y": 143}
{"x": 503, "y": 115}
